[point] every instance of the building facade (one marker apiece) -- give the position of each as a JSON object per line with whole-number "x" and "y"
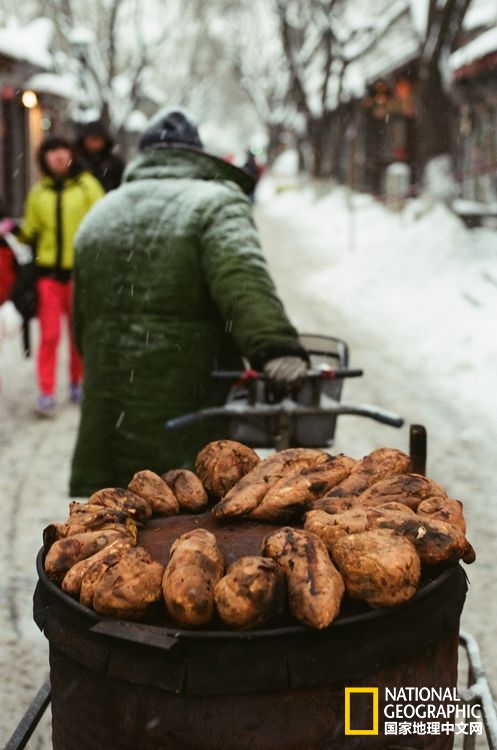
{"x": 27, "y": 115}
{"x": 475, "y": 85}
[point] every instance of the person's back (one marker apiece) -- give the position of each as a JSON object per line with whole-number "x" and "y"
{"x": 170, "y": 285}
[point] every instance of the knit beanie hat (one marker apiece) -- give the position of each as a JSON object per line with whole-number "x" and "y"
{"x": 170, "y": 128}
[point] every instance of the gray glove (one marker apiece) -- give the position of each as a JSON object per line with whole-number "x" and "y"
{"x": 285, "y": 370}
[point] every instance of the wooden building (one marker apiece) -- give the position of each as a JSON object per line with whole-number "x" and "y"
{"x": 382, "y": 115}
{"x": 475, "y": 83}
{"x": 388, "y": 115}
{"x": 29, "y": 110}
{"x": 383, "y": 118}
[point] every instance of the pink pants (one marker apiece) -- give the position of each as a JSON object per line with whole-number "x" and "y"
{"x": 54, "y": 304}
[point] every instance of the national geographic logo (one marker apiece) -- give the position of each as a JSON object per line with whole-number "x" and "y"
{"x": 410, "y": 710}
{"x": 361, "y": 703}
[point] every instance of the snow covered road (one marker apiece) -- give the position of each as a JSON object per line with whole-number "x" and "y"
{"x": 34, "y": 468}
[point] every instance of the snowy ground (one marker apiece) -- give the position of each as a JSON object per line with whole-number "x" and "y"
{"x": 34, "y": 467}
{"x": 415, "y": 296}
{"x": 413, "y": 293}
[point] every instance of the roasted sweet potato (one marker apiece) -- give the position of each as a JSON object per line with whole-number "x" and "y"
{"x": 187, "y": 488}
{"x": 443, "y": 509}
{"x": 409, "y": 489}
{"x": 150, "y": 486}
{"x": 295, "y": 492}
{"x": 437, "y": 543}
{"x": 84, "y": 517}
{"x": 94, "y": 573}
{"x": 378, "y": 566}
{"x": 252, "y": 593}
{"x": 195, "y": 566}
{"x": 249, "y": 491}
{"x": 379, "y": 464}
{"x": 65, "y": 553}
{"x": 329, "y": 528}
{"x": 72, "y": 581}
{"x": 315, "y": 587}
{"x": 125, "y": 500}
{"x": 388, "y": 516}
{"x": 221, "y": 463}
{"x": 129, "y": 587}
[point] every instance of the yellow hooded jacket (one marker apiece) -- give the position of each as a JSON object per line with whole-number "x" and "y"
{"x": 52, "y": 214}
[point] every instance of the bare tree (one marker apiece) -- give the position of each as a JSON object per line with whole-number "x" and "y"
{"x": 257, "y": 62}
{"x": 286, "y": 60}
{"x": 209, "y": 74}
{"x": 320, "y": 40}
{"x": 434, "y": 101}
{"x": 106, "y": 45}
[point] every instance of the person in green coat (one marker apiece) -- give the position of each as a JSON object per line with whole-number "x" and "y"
{"x": 170, "y": 284}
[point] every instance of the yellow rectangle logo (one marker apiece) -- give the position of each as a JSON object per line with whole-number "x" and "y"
{"x": 374, "y": 693}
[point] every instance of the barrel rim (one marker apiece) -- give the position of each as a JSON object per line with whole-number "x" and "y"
{"x": 177, "y": 632}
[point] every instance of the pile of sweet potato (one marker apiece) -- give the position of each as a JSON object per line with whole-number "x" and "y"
{"x": 365, "y": 528}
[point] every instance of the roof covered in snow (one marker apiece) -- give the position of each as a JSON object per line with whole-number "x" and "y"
{"x": 480, "y": 13}
{"x": 51, "y": 83}
{"x": 402, "y": 42}
{"x": 484, "y": 44}
{"x": 30, "y": 42}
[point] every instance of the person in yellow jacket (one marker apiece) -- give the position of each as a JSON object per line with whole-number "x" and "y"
{"x": 53, "y": 210}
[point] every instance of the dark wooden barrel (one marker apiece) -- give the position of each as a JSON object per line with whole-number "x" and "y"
{"x": 120, "y": 685}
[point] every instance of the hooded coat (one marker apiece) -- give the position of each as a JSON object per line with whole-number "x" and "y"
{"x": 52, "y": 215}
{"x": 170, "y": 284}
{"x": 53, "y": 211}
{"x": 105, "y": 165}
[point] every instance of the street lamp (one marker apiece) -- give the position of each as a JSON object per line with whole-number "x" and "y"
{"x": 29, "y": 99}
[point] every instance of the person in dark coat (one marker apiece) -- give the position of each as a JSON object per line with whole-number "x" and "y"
{"x": 254, "y": 169}
{"x": 252, "y": 166}
{"x": 95, "y": 151}
{"x": 170, "y": 284}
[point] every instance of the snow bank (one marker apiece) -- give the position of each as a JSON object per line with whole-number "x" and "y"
{"x": 419, "y": 274}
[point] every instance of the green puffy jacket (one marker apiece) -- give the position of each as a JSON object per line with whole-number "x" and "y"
{"x": 170, "y": 284}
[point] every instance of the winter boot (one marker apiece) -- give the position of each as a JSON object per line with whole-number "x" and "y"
{"x": 75, "y": 393}
{"x": 45, "y": 407}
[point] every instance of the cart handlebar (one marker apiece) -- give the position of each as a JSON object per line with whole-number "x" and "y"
{"x": 285, "y": 408}
{"x": 321, "y": 374}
